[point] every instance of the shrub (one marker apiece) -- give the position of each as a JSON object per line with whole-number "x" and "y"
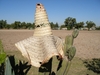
{"x": 93, "y": 65}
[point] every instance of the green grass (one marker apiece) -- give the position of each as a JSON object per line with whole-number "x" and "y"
{"x": 2, "y": 54}
{"x": 78, "y": 68}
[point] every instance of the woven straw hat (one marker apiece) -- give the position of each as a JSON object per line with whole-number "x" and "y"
{"x": 41, "y": 22}
{"x": 43, "y": 45}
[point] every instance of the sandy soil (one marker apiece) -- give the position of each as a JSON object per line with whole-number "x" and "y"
{"x": 87, "y": 43}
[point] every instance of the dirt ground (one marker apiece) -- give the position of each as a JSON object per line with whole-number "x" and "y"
{"x": 87, "y": 43}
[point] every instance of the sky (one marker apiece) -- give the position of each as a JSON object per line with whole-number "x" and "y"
{"x": 57, "y": 10}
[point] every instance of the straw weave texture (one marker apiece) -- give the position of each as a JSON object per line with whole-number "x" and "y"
{"x": 40, "y": 49}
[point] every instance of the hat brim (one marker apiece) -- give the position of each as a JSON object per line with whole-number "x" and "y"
{"x": 40, "y": 49}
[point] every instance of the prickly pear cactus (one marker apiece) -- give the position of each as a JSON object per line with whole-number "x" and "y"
{"x": 75, "y": 33}
{"x": 68, "y": 43}
{"x": 69, "y": 51}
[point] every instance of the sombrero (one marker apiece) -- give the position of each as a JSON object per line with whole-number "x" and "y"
{"x": 43, "y": 45}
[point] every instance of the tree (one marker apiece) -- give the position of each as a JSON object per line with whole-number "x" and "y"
{"x": 33, "y": 25}
{"x": 16, "y": 25}
{"x": 52, "y": 25}
{"x": 3, "y": 24}
{"x": 62, "y": 26}
{"x": 23, "y": 25}
{"x": 90, "y": 24}
{"x": 8, "y": 26}
{"x": 56, "y": 26}
{"x": 79, "y": 25}
{"x": 70, "y": 22}
{"x": 98, "y": 28}
{"x": 30, "y": 26}
{"x": 13, "y": 26}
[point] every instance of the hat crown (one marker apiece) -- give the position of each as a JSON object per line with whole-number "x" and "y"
{"x": 41, "y": 17}
{"x": 42, "y": 25}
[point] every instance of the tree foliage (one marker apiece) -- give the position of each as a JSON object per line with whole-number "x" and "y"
{"x": 98, "y": 28}
{"x": 22, "y": 25}
{"x": 3, "y": 24}
{"x": 70, "y": 22}
{"x": 62, "y": 26}
{"x": 90, "y": 24}
{"x": 54, "y": 26}
{"x": 16, "y": 25}
{"x": 79, "y": 25}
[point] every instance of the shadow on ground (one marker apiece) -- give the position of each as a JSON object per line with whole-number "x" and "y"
{"x": 93, "y": 65}
{"x": 21, "y": 68}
